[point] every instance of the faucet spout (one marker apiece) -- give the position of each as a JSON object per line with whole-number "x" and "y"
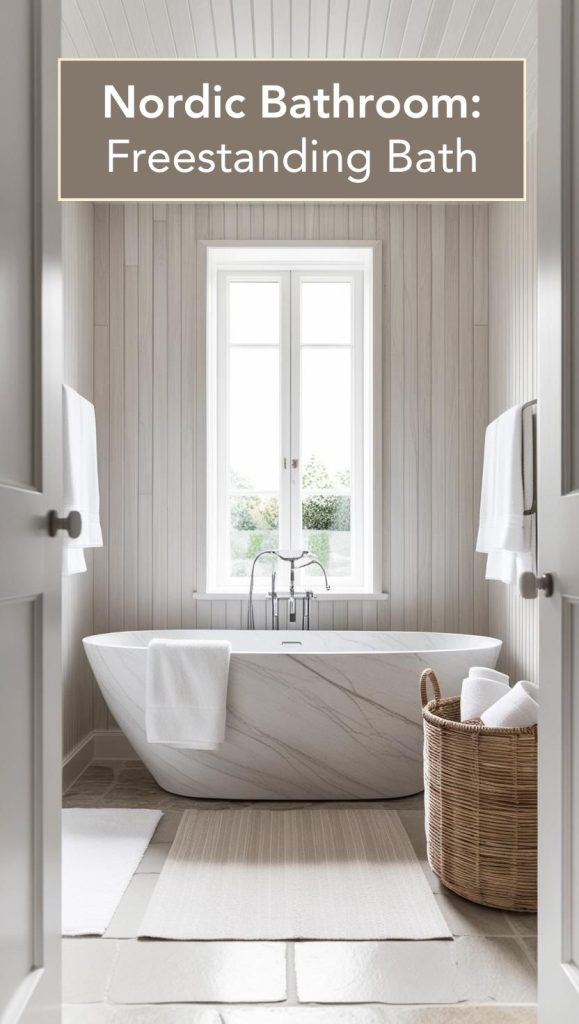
{"x": 316, "y": 561}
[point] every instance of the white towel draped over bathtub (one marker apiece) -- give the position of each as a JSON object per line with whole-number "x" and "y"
{"x": 80, "y": 478}
{"x": 186, "y": 692}
{"x": 505, "y": 533}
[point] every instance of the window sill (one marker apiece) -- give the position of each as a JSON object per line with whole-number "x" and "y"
{"x": 333, "y": 595}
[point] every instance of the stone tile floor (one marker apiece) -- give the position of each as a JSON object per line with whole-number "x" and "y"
{"x": 486, "y": 975}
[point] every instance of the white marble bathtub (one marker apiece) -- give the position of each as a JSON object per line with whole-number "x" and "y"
{"x": 318, "y": 715}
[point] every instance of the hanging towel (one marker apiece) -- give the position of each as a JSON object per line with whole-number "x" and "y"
{"x": 80, "y": 477}
{"x": 186, "y": 696}
{"x": 505, "y": 533}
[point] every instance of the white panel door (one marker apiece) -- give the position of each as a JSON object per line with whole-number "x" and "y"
{"x": 30, "y": 402}
{"x": 559, "y": 512}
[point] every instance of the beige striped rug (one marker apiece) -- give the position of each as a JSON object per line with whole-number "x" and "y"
{"x": 310, "y": 873}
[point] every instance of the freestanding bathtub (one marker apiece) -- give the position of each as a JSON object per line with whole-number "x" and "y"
{"x": 311, "y": 715}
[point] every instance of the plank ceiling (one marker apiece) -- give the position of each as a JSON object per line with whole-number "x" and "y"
{"x": 304, "y": 28}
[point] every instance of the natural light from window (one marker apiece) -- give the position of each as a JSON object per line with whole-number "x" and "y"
{"x": 289, "y": 437}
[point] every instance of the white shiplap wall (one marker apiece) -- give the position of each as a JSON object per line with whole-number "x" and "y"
{"x": 435, "y": 386}
{"x": 513, "y": 378}
{"x": 77, "y": 593}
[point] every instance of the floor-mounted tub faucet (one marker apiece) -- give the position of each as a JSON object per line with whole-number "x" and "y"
{"x": 295, "y": 559}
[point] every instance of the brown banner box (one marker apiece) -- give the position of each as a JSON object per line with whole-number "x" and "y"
{"x": 295, "y": 130}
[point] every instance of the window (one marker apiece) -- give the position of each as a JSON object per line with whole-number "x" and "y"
{"x": 289, "y": 414}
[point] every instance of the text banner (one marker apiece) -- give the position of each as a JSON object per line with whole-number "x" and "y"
{"x": 319, "y": 130}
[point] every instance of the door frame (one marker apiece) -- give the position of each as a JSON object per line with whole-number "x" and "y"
{"x": 557, "y": 502}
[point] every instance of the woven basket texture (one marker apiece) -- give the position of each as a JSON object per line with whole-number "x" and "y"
{"x": 481, "y": 805}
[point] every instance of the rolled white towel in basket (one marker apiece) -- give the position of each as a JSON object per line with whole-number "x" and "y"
{"x": 478, "y": 693}
{"x": 482, "y": 672}
{"x": 517, "y": 709}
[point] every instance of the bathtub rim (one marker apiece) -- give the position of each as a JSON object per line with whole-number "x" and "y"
{"x": 478, "y": 642}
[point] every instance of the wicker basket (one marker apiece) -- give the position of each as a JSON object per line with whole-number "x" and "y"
{"x": 481, "y": 805}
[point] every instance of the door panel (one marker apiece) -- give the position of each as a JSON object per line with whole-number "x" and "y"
{"x": 17, "y": 657}
{"x": 571, "y": 756}
{"x": 16, "y": 239}
{"x": 558, "y": 514}
{"x": 30, "y": 485}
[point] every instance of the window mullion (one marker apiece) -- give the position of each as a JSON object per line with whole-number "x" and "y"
{"x": 285, "y": 413}
{"x": 295, "y": 424}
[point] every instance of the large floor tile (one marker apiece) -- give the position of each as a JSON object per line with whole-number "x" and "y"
{"x": 94, "y": 781}
{"x": 197, "y": 972}
{"x": 308, "y": 1015}
{"x": 87, "y": 966}
{"x": 153, "y": 859}
{"x": 74, "y": 799}
{"x": 167, "y": 828}
{"x": 381, "y": 1015}
{"x": 463, "y": 1015}
{"x": 495, "y": 970}
{"x": 523, "y": 924}
{"x": 530, "y": 947}
{"x": 163, "y": 1015}
{"x": 128, "y": 916}
{"x": 465, "y": 918}
{"x": 477, "y": 970}
{"x": 376, "y": 972}
{"x": 84, "y": 1013}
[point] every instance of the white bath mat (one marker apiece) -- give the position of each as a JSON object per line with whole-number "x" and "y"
{"x": 101, "y": 850}
{"x": 311, "y": 873}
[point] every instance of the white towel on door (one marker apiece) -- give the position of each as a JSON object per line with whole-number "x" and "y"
{"x": 186, "y": 696}
{"x": 80, "y": 477}
{"x": 505, "y": 533}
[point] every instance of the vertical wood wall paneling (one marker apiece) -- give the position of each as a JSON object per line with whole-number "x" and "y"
{"x": 512, "y": 351}
{"x": 77, "y": 590}
{"x": 117, "y": 466}
{"x": 174, "y": 426}
{"x": 438, "y": 428}
{"x": 410, "y": 400}
{"x": 161, "y": 496}
{"x": 435, "y": 300}
{"x": 131, "y": 419}
{"x": 188, "y": 436}
{"x": 424, "y": 423}
{"x": 102, "y": 409}
{"x": 466, "y": 421}
{"x": 452, "y": 426}
{"x": 145, "y": 439}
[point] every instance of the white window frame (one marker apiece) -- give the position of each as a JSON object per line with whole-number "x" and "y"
{"x": 290, "y": 265}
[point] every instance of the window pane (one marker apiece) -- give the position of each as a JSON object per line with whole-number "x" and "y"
{"x": 326, "y": 313}
{"x": 254, "y": 313}
{"x": 326, "y": 419}
{"x": 253, "y": 412}
{"x": 254, "y": 521}
{"x": 326, "y": 457}
{"x": 326, "y": 532}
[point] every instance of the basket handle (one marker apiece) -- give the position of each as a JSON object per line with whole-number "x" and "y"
{"x": 428, "y": 676}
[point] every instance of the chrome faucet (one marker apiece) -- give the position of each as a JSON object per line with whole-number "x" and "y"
{"x": 292, "y": 598}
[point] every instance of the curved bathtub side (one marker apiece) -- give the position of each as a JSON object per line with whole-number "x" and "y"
{"x": 300, "y": 726}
